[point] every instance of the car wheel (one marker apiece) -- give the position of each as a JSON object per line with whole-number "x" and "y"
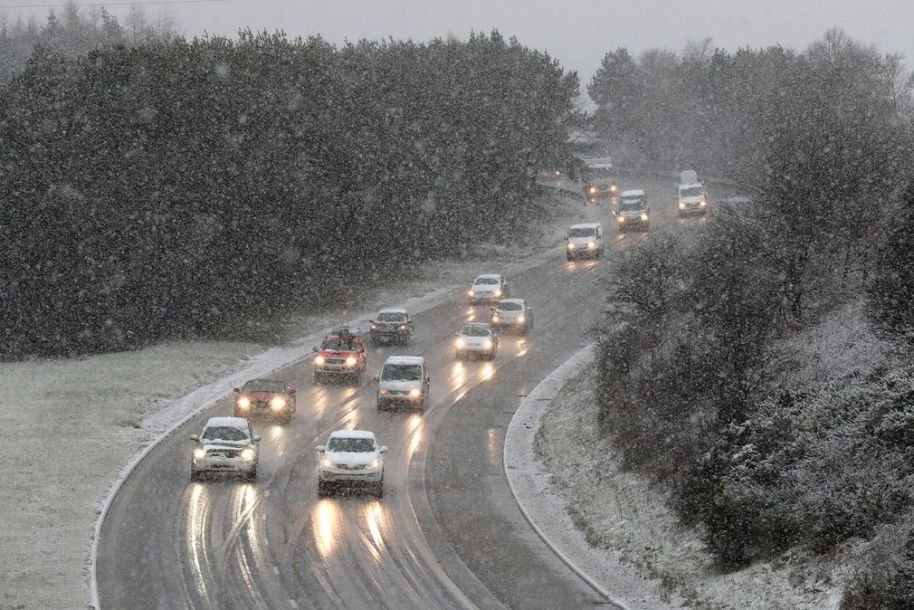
{"x": 287, "y": 419}
{"x": 317, "y": 378}
{"x": 251, "y": 475}
{"x": 195, "y": 476}
{"x": 379, "y": 489}
{"x": 381, "y": 406}
{"x": 321, "y": 489}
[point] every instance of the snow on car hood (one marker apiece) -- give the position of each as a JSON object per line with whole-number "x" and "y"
{"x": 351, "y": 458}
{"x": 214, "y": 444}
{"x": 399, "y": 385}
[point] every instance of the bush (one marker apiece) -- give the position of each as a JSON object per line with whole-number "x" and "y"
{"x": 884, "y": 577}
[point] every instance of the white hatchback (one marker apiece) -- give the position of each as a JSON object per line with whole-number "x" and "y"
{"x": 488, "y": 288}
{"x": 350, "y": 458}
{"x": 477, "y": 339}
{"x": 226, "y": 445}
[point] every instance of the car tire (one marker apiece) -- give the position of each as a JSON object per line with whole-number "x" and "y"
{"x": 285, "y": 421}
{"x": 195, "y": 476}
{"x": 379, "y": 489}
{"x": 318, "y": 378}
{"x": 381, "y": 406}
{"x": 321, "y": 489}
{"x": 250, "y": 476}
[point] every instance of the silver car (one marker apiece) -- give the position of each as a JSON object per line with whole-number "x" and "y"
{"x": 226, "y": 445}
{"x": 476, "y": 339}
{"x": 513, "y": 314}
{"x": 350, "y": 458}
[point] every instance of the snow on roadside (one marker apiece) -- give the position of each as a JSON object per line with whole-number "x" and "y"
{"x": 622, "y": 512}
{"x": 71, "y": 424}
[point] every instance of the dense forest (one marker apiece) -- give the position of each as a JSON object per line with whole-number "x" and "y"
{"x": 704, "y": 355}
{"x": 157, "y": 189}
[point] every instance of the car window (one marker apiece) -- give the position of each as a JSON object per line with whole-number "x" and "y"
{"x": 391, "y": 316}
{"x": 581, "y": 232}
{"x": 486, "y": 280}
{"x": 402, "y": 372}
{"x": 339, "y": 345}
{"x": 351, "y": 445}
{"x": 264, "y": 385}
{"x": 476, "y": 331}
{"x": 691, "y": 191}
{"x": 224, "y": 433}
{"x": 631, "y": 205}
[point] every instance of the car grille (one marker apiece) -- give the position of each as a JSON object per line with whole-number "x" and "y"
{"x": 223, "y": 453}
{"x": 351, "y": 466}
{"x": 334, "y": 361}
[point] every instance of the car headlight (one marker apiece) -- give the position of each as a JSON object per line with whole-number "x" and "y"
{"x": 571, "y": 246}
{"x": 593, "y": 189}
{"x": 681, "y": 205}
{"x": 487, "y": 344}
{"x": 621, "y": 218}
{"x": 591, "y": 245}
{"x": 470, "y": 292}
{"x": 375, "y": 464}
{"x": 199, "y": 453}
{"x": 247, "y": 455}
{"x": 350, "y": 361}
{"x": 327, "y": 463}
{"x": 702, "y": 203}
{"x": 495, "y": 317}
{"x": 644, "y": 217}
{"x": 278, "y": 403}
{"x": 244, "y": 402}
{"x": 382, "y": 392}
{"x": 459, "y": 343}
{"x": 414, "y": 393}
{"x": 319, "y": 360}
{"x": 374, "y": 327}
{"x": 498, "y": 292}
{"x": 613, "y": 188}
{"x": 403, "y": 327}
{"x": 521, "y": 319}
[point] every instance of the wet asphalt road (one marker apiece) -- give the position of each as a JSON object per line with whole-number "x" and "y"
{"x": 447, "y": 533}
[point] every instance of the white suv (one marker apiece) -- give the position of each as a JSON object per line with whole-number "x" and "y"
{"x": 488, "y": 288}
{"x": 403, "y": 381}
{"x": 584, "y": 241}
{"x": 227, "y": 444}
{"x": 351, "y": 457}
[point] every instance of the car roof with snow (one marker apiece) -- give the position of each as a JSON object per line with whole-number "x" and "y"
{"x": 633, "y": 193}
{"x": 393, "y": 310}
{"x": 494, "y": 276}
{"x": 405, "y": 360}
{"x": 352, "y": 434}
{"x": 227, "y": 422}
{"x": 586, "y": 225}
{"x": 518, "y": 301}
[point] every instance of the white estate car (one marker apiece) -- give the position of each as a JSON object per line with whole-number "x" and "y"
{"x": 584, "y": 241}
{"x": 351, "y": 457}
{"x": 227, "y": 444}
{"x": 634, "y": 211}
{"x": 403, "y": 381}
{"x": 477, "y": 339}
{"x": 514, "y": 314}
{"x": 488, "y": 288}
{"x": 692, "y": 199}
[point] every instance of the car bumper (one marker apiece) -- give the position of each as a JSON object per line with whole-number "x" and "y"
{"x": 400, "y": 399}
{"x": 336, "y": 369}
{"x": 692, "y": 210}
{"x": 484, "y": 298}
{"x": 223, "y": 465}
{"x": 350, "y": 476}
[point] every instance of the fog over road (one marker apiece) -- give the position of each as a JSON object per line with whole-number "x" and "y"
{"x": 447, "y": 532}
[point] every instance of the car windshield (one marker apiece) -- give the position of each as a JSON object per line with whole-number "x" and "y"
{"x": 402, "y": 372}
{"x": 596, "y": 173}
{"x": 224, "y": 433}
{"x": 338, "y": 345}
{"x": 691, "y": 191}
{"x": 486, "y": 280}
{"x": 510, "y": 306}
{"x": 391, "y": 316}
{"x": 475, "y": 331}
{"x": 351, "y": 445}
{"x": 631, "y": 205}
{"x": 581, "y": 233}
{"x": 264, "y": 385}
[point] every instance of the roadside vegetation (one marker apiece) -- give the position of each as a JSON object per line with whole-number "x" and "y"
{"x": 713, "y": 376}
{"x": 158, "y": 190}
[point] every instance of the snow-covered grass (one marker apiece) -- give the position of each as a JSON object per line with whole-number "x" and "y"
{"x": 621, "y": 511}
{"x": 71, "y": 424}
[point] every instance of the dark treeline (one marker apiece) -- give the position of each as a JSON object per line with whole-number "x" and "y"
{"x": 158, "y": 189}
{"x": 75, "y": 32}
{"x": 699, "y": 388}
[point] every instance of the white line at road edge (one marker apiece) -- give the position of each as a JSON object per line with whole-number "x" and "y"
{"x": 189, "y": 406}
{"x": 522, "y": 466}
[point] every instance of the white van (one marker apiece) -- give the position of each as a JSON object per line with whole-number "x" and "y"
{"x": 403, "y": 381}
{"x": 584, "y": 241}
{"x": 691, "y": 199}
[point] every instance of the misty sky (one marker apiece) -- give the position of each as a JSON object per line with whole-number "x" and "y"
{"x": 577, "y": 32}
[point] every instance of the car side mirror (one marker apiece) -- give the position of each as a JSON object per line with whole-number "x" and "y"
{"x": 236, "y": 390}
{"x": 292, "y": 390}
{"x": 384, "y": 449}
{"x": 195, "y": 437}
{"x": 377, "y": 378}
{"x": 427, "y": 378}
{"x": 314, "y": 349}
{"x": 256, "y": 439}
{"x": 321, "y": 448}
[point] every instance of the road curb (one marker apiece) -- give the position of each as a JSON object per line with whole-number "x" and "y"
{"x": 522, "y": 466}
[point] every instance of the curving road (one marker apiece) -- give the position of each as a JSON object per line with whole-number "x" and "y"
{"x": 447, "y": 533}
